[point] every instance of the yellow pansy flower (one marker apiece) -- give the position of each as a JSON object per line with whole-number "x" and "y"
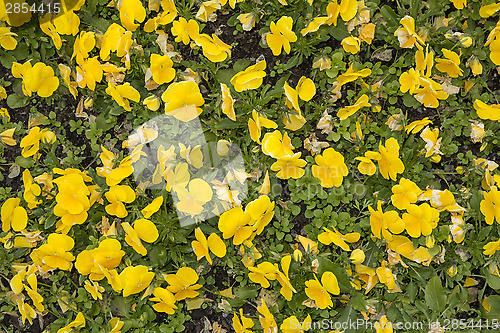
{"x": 420, "y": 220}
{"x": 130, "y": 12}
{"x": 320, "y": 292}
{"x": 88, "y": 73}
{"x": 406, "y": 34}
{"x": 31, "y": 190}
{"x": 206, "y": 9}
{"x": 55, "y": 253}
{"x": 351, "y": 44}
{"x": 235, "y": 223}
{"x": 165, "y": 299}
{"x": 183, "y": 100}
{"x": 117, "y": 195}
{"x": 7, "y": 40}
{"x": 135, "y": 279}
{"x": 185, "y": 31}
{"x": 227, "y": 102}
{"x": 152, "y": 207}
{"x": 347, "y": 111}
{"x": 202, "y": 245}
{"x": 405, "y": 193}
{"x": 450, "y": 64}
{"x": 261, "y": 211}
{"x": 490, "y": 206}
{"x": 366, "y": 165}
{"x": 183, "y": 283}
{"x": 328, "y": 236}
{"x": 144, "y": 230}
{"x": 485, "y": 111}
{"x": 385, "y": 224}
{"x": 247, "y": 20}
{"x": 386, "y": 276}
{"x": 281, "y": 35}
{"x": 330, "y": 168}
{"x": 277, "y": 145}
{"x": 122, "y": 94}
{"x": 256, "y": 123}
{"x": 13, "y": 215}
{"x": 352, "y": 74}
{"x": 289, "y": 166}
{"x": 161, "y": 68}
{"x": 388, "y": 159}
{"x": 262, "y": 273}
{"x": 250, "y": 78}
{"x": 417, "y": 125}
{"x": 94, "y": 289}
{"x": 242, "y": 324}
{"x": 7, "y": 137}
{"x": 357, "y": 256}
{"x": 267, "y": 321}
{"x": 213, "y": 48}
{"x": 191, "y": 200}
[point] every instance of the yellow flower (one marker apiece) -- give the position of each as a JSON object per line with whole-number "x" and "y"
{"x": 459, "y": 4}
{"x": 309, "y": 245}
{"x": 491, "y": 248}
{"x": 116, "y": 325}
{"x": 385, "y": 224}
{"x": 276, "y": 145}
{"x": 489, "y": 10}
{"x": 247, "y": 20}
{"x": 100, "y": 261}
{"x": 152, "y": 207}
{"x": 89, "y": 73}
{"x": 366, "y": 33}
{"x": 256, "y": 123}
{"x": 267, "y": 322}
{"x": 287, "y": 289}
{"x": 185, "y": 31}
{"x": 406, "y": 34}
{"x": 281, "y": 35}
{"x": 261, "y": 211}
{"x": 202, "y": 245}
{"x": 135, "y": 279}
{"x": 206, "y": 9}
{"x": 165, "y": 299}
{"x": 31, "y": 142}
{"x": 183, "y": 100}
{"x": 420, "y": 220}
{"x": 328, "y": 236}
{"x": 405, "y": 193}
{"x": 352, "y": 74}
{"x": 367, "y": 275}
{"x": 386, "y": 276}
{"x": 417, "y": 125}
{"x": 347, "y": 111}
{"x": 131, "y": 11}
{"x": 152, "y": 102}
{"x": 7, "y": 40}
{"x": 384, "y": 326}
{"x": 432, "y": 141}
{"x": 191, "y": 200}
{"x": 122, "y": 94}
{"x": 314, "y": 25}
{"x": 117, "y": 195}
{"x": 227, "y": 103}
{"x": 351, "y": 44}
{"x": 262, "y": 273}
{"x": 357, "y": 256}
{"x": 65, "y": 75}
{"x": 293, "y": 325}
{"x": 161, "y": 68}
{"x": 450, "y": 65}
{"x": 330, "y": 168}
{"x": 13, "y": 215}
{"x": 31, "y": 190}
{"x": 183, "y": 283}
{"x": 164, "y": 18}
{"x": 213, "y": 48}
{"x": 347, "y": 10}
{"x": 143, "y": 230}
{"x": 490, "y": 206}
{"x": 388, "y": 159}
{"x": 84, "y": 44}
{"x": 430, "y": 92}
{"x": 320, "y": 292}
{"x": 94, "y": 289}
{"x": 289, "y": 167}
{"x": 366, "y": 165}
{"x": 40, "y": 79}
{"x": 55, "y": 253}
{"x": 485, "y": 111}
{"x": 475, "y": 66}
{"x": 235, "y": 222}
{"x": 242, "y": 324}
{"x": 115, "y": 37}
{"x": 7, "y": 137}
{"x": 26, "y": 311}
{"x": 409, "y": 81}
{"x": 250, "y": 78}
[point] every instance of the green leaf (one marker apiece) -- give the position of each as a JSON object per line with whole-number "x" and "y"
{"x": 15, "y": 101}
{"x": 494, "y": 313}
{"x": 435, "y": 297}
{"x": 492, "y": 280}
{"x": 24, "y": 162}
